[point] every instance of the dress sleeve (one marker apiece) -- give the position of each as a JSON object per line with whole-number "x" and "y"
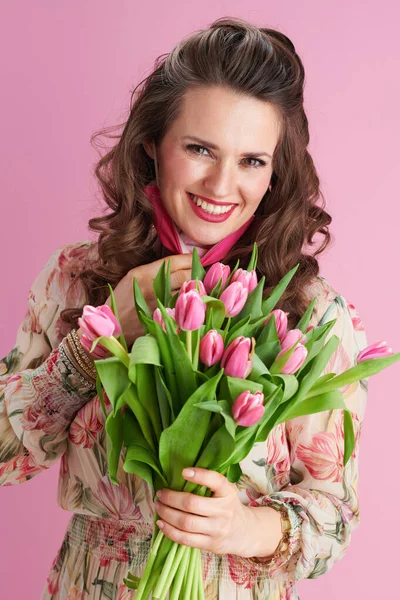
{"x": 39, "y": 396}
{"x": 321, "y": 500}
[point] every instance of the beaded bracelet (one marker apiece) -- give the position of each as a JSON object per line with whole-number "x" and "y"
{"x": 80, "y": 355}
{"x": 66, "y": 358}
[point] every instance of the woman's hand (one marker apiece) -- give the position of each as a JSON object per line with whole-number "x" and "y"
{"x": 181, "y": 269}
{"x": 221, "y": 523}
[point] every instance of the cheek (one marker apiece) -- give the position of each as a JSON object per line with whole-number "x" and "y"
{"x": 180, "y": 169}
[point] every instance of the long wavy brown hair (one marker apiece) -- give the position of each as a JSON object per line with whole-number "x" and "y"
{"x": 247, "y": 59}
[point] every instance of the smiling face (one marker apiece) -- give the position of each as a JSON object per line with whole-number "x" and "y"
{"x": 230, "y": 162}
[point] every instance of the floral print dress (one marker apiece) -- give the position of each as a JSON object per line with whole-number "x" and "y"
{"x": 47, "y": 415}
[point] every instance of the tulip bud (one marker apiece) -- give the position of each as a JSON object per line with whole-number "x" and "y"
{"x": 248, "y": 408}
{"x": 247, "y": 278}
{"x": 295, "y": 361}
{"x": 157, "y": 316}
{"x": 291, "y": 338}
{"x": 97, "y": 321}
{"x": 377, "y": 350}
{"x": 237, "y": 358}
{"x": 211, "y": 348}
{"x": 214, "y": 274}
{"x": 98, "y": 352}
{"x": 190, "y": 310}
{"x": 281, "y": 319}
{"x": 191, "y": 285}
{"x": 234, "y": 297}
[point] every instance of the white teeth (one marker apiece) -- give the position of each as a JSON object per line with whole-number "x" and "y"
{"x": 210, "y": 208}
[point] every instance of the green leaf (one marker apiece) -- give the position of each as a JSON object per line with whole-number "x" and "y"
{"x": 274, "y": 297}
{"x": 360, "y": 371}
{"x": 140, "y": 302}
{"x": 180, "y": 444}
{"x": 310, "y": 406}
{"x": 240, "y": 328}
{"x": 269, "y": 332}
{"x": 236, "y": 386}
{"x": 268, "y": 352}
{"x": 253, "y": 259}
{"x": 132, "y": 399}
{"x": 115, "y": 432}
{"x": 164, "y": 399}
{"x": 305, "y": 319}
{"x": 314, "y": 344}
{"x": 222, "y": 407}
{"x": 290, "y": 385}
{"x": 121, "y": 337}
{"x": 147, "y": 393}
{"x": 114, "y": 378}
{"x": 218, "y": 311}
{"x": 234, "y": 473}
{"x": 159, "y": 283}
{"x": 145, "y": 350}
{"x": 198, "y": 271}
{"x": 258, "y": 369}
{"x": 317, "y": 365}
{"x": 349, "y": 438}
{"x": 183, "y": 368}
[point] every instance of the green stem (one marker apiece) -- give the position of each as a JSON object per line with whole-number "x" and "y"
{"x": 113, "y": 346}
{"x": 188, "y": 593}
{"x": 147, "y": 572}
{"x": 200, "y": 582}
{"x": 189, "y": 345}
{"x": 178, "y": 581}
{"x": 159, "y": 591}
{"x": 169, "y": 571}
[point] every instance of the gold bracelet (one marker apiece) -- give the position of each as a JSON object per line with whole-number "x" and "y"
{"x": 75, "y": 358}
{"x": 87, "y": 359}
{"x": 87, "y": 367}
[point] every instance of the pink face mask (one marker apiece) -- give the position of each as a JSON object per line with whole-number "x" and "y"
{"x": 171, "y": 239}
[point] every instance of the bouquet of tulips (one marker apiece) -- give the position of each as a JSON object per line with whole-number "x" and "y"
{"x": 215, "y": 371}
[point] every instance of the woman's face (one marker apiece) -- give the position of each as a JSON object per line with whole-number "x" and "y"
{"x": 215, "y": 166}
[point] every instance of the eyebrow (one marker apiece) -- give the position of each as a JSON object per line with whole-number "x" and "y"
{"x": 215, "y": 147}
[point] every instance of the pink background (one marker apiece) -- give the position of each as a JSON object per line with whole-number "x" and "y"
{"x": 67, "y": 69}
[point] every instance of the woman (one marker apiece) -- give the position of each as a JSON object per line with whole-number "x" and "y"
{"x": 234, "y": 91}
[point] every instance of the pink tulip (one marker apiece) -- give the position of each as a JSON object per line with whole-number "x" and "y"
{"x": 191, "y": 285}
{"x": 296, "y": 360}
{"x": 211, "y": 348}
{"x": 291, "y": 338}
{"x": 99, "y": 320}
{"x": 248, "y": 408}
{"x": 214, "y": 274}
{"x": 98, "y": 352}
{"x": 377, "y": 350}
{"x": 190, "y": 310}
{"x": 237, "y": 358}
{"x": 281, "y": 319}
{"x": 157, "y": 316}
{"x": 234, "y": 297}
{"x": 247, "y": 278}
{"x": 95, "y": 322}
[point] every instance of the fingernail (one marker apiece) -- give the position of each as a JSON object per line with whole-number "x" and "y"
{"x": 188, "y": 473}
{"x": 160, "y": 524}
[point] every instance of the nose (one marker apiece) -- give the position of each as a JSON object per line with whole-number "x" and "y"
{"x": 219, "y": 180}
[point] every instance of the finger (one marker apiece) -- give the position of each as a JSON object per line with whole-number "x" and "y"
{"x": 185, "y": 521}
{"x": 190, "y": 503}
{"x": 180, "y": 261}
{"x": 194, "y": 540}
{"x": 179, "y": 277}
{"x": 216, "y": 482}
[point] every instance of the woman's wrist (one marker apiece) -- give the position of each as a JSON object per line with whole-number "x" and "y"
{"x": 268, "y": 520}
